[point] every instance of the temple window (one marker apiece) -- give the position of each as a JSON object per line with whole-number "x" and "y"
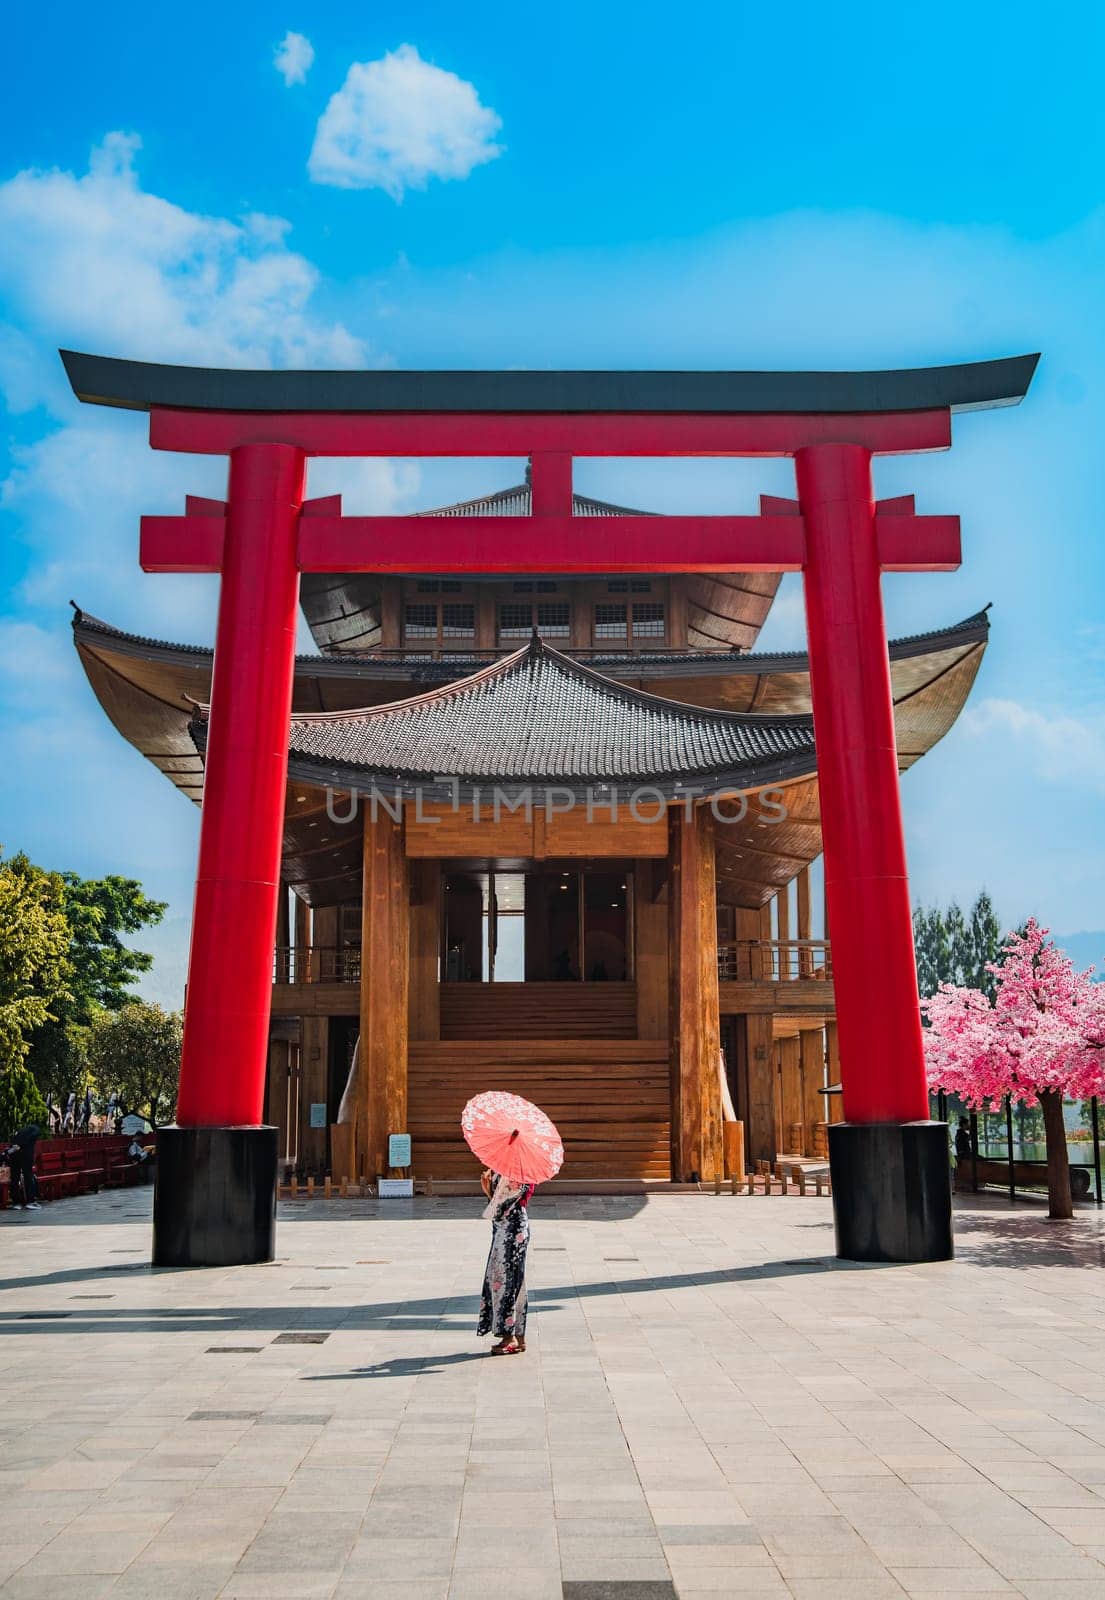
{"x": 648, "y": 619}
{"x": 644, "y": 619}
{"x": 551, "y": 618}
{"x": 437, "y": 621}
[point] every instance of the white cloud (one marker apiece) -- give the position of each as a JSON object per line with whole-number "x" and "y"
{"x": 397, "y": 122}
{"x": 98, "y": 262}
{"x": 293, "y": 57}
{"x": 1058, "y": 749}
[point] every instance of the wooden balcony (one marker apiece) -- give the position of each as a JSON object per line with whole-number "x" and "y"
{"x": 776, "y": 975}
{"x": 316, "y": 980}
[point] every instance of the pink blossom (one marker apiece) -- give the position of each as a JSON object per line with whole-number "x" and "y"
{"x": 1044, "y": 1030}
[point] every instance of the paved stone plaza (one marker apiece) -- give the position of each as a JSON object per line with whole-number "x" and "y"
{"x": 710, "y": 1405}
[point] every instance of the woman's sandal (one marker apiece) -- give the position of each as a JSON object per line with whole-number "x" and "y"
{"x": 509, "y": 1347}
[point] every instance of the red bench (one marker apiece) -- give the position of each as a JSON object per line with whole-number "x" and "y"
{"x": 54, "y": 1180}
{"x": 81, "y": 1164}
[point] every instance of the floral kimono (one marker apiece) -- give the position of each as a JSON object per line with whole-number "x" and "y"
{"x": 503, "y": 1302}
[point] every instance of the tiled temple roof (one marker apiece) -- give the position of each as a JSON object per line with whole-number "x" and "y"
{"x": 539, "y": 718}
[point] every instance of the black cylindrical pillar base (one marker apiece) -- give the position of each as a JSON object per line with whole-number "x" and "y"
{"x": 892, "y": 1194}
{"x": 215, "y": 1200}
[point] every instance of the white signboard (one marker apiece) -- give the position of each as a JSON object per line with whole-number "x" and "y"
{"x": 396, "y": 1188}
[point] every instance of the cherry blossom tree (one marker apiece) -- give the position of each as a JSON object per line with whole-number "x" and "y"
{"x": 1041, "y": 1038}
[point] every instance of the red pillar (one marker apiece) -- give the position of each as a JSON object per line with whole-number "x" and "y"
{"x": 878, "y": 1017}
{"x": 226, "y": 1019}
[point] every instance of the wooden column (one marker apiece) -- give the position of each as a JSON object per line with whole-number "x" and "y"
{"x": 812, "y": 1042}
{"x": 302, "y": 939}
{"x": 385, "y": 978}
{"x": 677, "y": 613}
{"x": 486, "y": 633}
{"x": 782, "y": 917}
{"x": 758, "y": 1091}
{"x": 766, "y": 973}
{"x": 832, "y": 1063}
{"x": 424, "y": 1002}
{"x": 313, "y": 1090}
{"x": 283, "y": 933}
{"x": 694, "y": 1028}
{"x": 391, "y": 623}
{"x": 277, "y": 1102}
{"x": 805, "y": 924}
{"x": 790, "y": 1095}
{"x": 651, "y": 967}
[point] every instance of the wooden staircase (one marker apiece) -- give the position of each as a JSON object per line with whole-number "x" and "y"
{"x": 609, "y": 1097}
{"x": 538, "y": 1011}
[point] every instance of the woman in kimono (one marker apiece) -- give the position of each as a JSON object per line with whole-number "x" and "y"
{"x": 503, "y": 1302}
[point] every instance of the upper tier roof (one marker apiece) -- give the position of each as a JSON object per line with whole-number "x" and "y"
{"x": 538, "y": 717}
{"x": 149, "y": 690}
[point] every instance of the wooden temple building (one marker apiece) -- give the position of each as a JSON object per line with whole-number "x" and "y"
{"x": 539, "y": 887}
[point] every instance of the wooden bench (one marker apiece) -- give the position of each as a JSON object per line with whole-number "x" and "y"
{"x": 1026, "y": 1175}
{"x": 55, "y": 1182}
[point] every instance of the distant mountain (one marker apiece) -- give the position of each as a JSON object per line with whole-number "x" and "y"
{"x": 1085, "y": 950}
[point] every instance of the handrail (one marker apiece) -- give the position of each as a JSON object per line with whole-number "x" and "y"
{"x": 315, "y": 963}
{"x": 774, "y": 960}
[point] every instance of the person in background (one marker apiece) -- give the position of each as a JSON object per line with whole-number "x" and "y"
{"x": 964, "y": 1149}
{"x": 20, "y": 1156}
{"x": 142, "y": 1158}
{"x": 503, "y": 1302}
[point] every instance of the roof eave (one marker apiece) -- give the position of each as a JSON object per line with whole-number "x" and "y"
{"x": 142, "y": 386}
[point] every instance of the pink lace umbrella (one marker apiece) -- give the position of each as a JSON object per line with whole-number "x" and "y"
{"x": 512, "y": 1137}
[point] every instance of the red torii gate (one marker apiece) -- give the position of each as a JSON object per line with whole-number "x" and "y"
{"x": 214, "y": 1201}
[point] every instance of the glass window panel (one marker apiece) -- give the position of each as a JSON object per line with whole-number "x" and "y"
{"x": 610, "y": 622}
{"x": 554, "y": 619}
{"x": 420, "y": 621}
{"x": 648, "y": 619}
{"x": 515, "y": 621}
{"x": 458, "y": 621}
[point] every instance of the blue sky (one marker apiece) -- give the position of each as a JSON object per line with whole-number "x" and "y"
{"x": 619, "y": 185}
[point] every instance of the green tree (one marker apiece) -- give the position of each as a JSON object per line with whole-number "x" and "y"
{"x": 135, "y": 1053}
{"x": 102, "y": 969}
{"x": 953, "y": 948}
{"x": 984, "y": 945}
{"x": 20, "y": 1101}
{"x": 34, "y": 965}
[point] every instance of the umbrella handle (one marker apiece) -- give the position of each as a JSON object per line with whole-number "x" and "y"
{"x": 513, "y": 1136}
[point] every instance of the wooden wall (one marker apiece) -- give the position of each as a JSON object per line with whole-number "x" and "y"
{"x": 442, "y": 832}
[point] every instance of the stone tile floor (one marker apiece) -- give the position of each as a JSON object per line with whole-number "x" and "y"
{"x": 711, "y": 1405}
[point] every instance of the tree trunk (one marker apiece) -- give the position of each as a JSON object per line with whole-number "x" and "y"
{"x": 1059, "y": 1203}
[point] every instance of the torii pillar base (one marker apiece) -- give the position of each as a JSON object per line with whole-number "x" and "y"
{"x": 215, "y": 1200}
{"x": 892, "y": 1191}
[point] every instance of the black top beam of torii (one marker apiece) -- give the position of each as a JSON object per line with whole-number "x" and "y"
{"x": 142, "y": 386}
